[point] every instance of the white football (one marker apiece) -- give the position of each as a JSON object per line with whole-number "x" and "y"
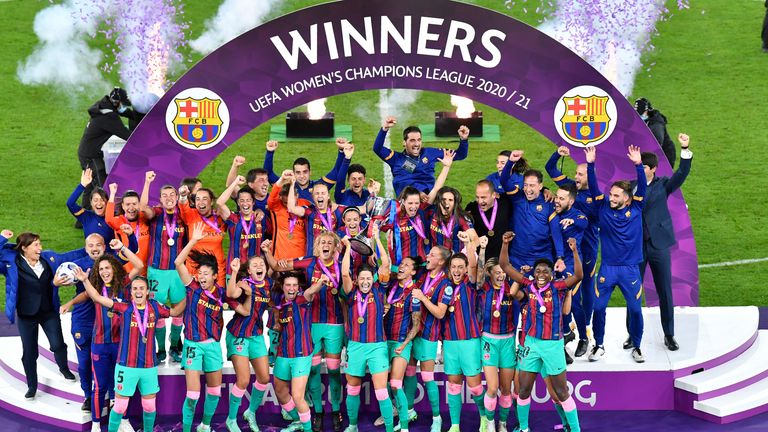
{"x": 67, "y": 271}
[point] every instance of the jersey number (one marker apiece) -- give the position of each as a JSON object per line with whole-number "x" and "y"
{"x": 190, "y": 352}
{"x": 120, "y": 377}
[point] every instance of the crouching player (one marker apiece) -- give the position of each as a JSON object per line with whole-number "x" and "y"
{"x": 544, "y": 345}
{"x": 136, "y": 360}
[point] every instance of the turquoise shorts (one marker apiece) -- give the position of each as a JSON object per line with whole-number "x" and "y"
{"x": 424, "y": 350}
{"x": 545, "y": 357}
{"x": 462, "y": 357}
{"x": 292, "y": 367}
{"x": 165, "y": 285}
{"x": 328, "y": 338}
{"x": 128, "y": 378}
{"x": 251, "y": 346}
{"x": 359, "y": 355}
{"x": 499, "y": 352}
{"x": 406, "y": 354}
{"x": 202, "y": 356}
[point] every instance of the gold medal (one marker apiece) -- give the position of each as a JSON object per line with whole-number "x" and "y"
{"x": 360, "y": 320}
{"x": 543, "y": 309}
{"x": 334, "y": 291}
{"x": 452, "y": 308}
{"x": 144, "y": 339}
{"x": 490, "y": 233}
{"x": 245, "y": 244}
{"x": 290, "y": 236}
{"x": 171, "y": 242}
{"x": 110, "y": 314}
{"x": 496, "y": 314}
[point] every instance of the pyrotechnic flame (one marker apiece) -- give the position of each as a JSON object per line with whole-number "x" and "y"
{"x": 464, "y": 107}
{"x": 316, "y": 109}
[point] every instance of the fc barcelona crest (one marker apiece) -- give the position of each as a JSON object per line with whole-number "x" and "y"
{"x": 197, "y": 118}
{"x": 585, "y": 115}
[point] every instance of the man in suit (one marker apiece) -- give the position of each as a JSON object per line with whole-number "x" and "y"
{"x": 659, "y": 234}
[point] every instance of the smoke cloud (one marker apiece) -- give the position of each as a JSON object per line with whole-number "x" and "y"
{"x": 233, "y": 18}
{"x": 397, "y": 103}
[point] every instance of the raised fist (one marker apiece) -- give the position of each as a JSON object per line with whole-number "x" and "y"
{"x": 149, "y": 176}
{"x": 564, "y": 151}
{"x": 388, "y": 122}
{"x": 271, "y": 145}
{"x": 238, "y": 161}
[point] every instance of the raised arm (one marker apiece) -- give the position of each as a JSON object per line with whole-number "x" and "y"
{"x": 85, "y": 179}
{"x": 197, "y": 235}
{"x": 330, "y": 178}
{"x": 578, "y": 272}
{"x": 292, "y": 207}
{"x": 378, "y": 145}
{"x": 556, "y": 234}
{"x": 553, "y": 171}
{"x": 345, "y": 264}
{"x": 237, "y": 162}
{"x": 310, "y": 292}
{"x": 446, "y": 160}
{"x": 221, "y": 202}
{"x": 109, "y": 213}
{"x": 463, "y": 150}
{"x": 511, "y": 271}
{"x": 138, "y": 265}
{"x": 684, "y": 168}
{"x": 386, "y": 263}
{"x": 594, "y": 188}
{"x": 506, "y": 176}
{"x": 635, "y": 156}
{"x": 471, "y": 255}
{"x": 480, "y": 269}
{"x": 341, "y": 173}
{"x": 149, "y": 177}
{"x": 92, "y": 292}
{"x": 269, "y": 163}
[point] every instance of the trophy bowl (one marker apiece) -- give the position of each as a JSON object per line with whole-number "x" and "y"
{"x": 361, "y": 244}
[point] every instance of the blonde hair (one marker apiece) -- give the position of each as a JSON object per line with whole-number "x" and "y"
{"x": 316, "y": 243}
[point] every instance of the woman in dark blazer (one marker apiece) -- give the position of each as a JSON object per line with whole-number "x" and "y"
{"x": 31, "y": 293}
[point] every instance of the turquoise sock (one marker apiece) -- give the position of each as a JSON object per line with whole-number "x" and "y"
{"x": 480, "y": 404}
{"x": 188, "y": 413}
{"x": 385, "y": 406}
{"x": 503, "y": 414}
{"x": 454, "y": 406}
{"x": 315, "y": 389}
{"x": 490, "y": 415}
{"x": 209, "y": 407}
{"x": 149, "y": 420}
{"x": 353, "y": 406}
{"x": 561, "y": 413}
{"x": 234, "y": 405}
{"x": 434, "y": 397}
{"x": 334, "y": 388}
{"x": 294, "y": 414}
{"x": 114, "y": 421}
{"x": 522, "y": 415}
{"x": 160, "y": 338}
{"x": 409, "y": 388}
{"x": 402, "y": 407}
{"x": 573, "y": 420}
{"x": 307, "y": 426}
{"x": 256, "y": 397}
{"x": 175, "y": 334}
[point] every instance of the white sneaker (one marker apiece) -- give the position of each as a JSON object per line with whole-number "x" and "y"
{"x": 380, "y": 421}
{"x": 293, "y": 427}
{"x": 250, "y": 417}
{"x": 637, "y": 355}
{"x": 491, "y": 427}
{"x": 502, "y": 427}
{"x": 232, "y": 426}
{"x": 437, "y": 424}
{"x": 483, "y": 423}
{"x": 286, "y": 416}
{"x": 203, "y": 428}
{"x": 125, "y": 426}
{"x": 95, "y": 427}
{"x": 597, "y": 352}
{"x": 412, "y": 415}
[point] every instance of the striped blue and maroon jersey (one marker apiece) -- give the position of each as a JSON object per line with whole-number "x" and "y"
{"x": 245, "y": 237}
{"x": 460, "y": 322}
{"x": 441, "y": 292}
{"x": 106, "y": 324}
{"x": 296, "y": 328}
{"x": 203, "y": 316}
{"x": 547, "y": 325}
{"x": 442, "y": 233}
{"x": 315, "y": 223}
{"x": 251, "y": 325}
{"x": 137, "y": 350}
{"x": 161, "y": 254}
{"x": 488, "y": 303}
{"x": 402, "y": 239}
{"x": 277, "y": 297}
{"x": 326, "y": 306}
{"x": 371, "y": 329}
{"x": 397, "y": 321}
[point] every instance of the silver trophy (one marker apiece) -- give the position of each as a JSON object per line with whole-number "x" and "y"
{"x": 362, "y": 244}
{"x": 378, "y": 207}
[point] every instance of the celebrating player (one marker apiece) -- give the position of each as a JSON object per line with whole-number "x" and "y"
{"x": 247, "y": 227}
{"x": 213, "y": 224}
{"x": 322, "y": 216}
{"x": 543, "y": 351}
{"x": 130, "y": 216}
{"x": 91, "y": 220}
{"x": 302, "y": 170}
{"x": 367, "y": 347}
{"x": 449, "y": 219}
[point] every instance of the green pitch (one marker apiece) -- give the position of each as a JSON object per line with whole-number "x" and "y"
{"x": 708, "y": 79}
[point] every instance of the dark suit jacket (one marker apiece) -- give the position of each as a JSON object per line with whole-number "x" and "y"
{"x": 657, "y": 222}
{"x": 35, "y": 294}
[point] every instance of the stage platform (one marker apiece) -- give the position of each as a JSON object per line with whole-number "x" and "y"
{"x": 720, "y": 374}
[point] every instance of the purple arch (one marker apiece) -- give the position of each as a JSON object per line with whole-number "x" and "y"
{"x": 529, "y": 62}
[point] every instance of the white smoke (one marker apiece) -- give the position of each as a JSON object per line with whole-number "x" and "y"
{"x": 233, "y": 18}
{"x": 397, "y": 103}
{"x": 63, "y": 58}
{"x": 609, "y": 34}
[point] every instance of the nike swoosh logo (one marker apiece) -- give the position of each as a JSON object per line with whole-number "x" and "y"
{"x": 635, "y": 282}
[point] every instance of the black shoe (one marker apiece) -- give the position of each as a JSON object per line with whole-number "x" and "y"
{"x": 569, "y": 337}
{"x": 161, "y": 356}
{"x": 86, "y": 407}
{"x": 581, "y": 348}
{"x": 338, "y": 421}
{"x": 628, "y": 343}
{"x": 671, "y": 343}
{"x": 69, "y": 376}
{"x": 30, "y": 395}
{"x": 568, "y": 358}
{"x": 317, "y": 422}
{"x": 78, "y": 225}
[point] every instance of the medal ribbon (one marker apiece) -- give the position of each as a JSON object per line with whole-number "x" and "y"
{"x": 104, "y": 291}
{"x": 291, "y": 223}
{"x": 211, "y": 224}
{"x": 170, "y": 229}
{"x": 501, "y": 295}
{"x": 362, "y": 304}
{"x": 210, "y": 295}
{"x": 334, "y": 278}
{"x": 429, "y": 283}
{"x": 390, "y": 298}
{"x": 246, "y": 226}
{"x": 537, "y": 293}
{"x": 142, "y": 325}
{"x": 492, "y": 222}
{"x": 326, "y": 221}
{"x": 418, "y": 226}
{"x": 448, "y": 231}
